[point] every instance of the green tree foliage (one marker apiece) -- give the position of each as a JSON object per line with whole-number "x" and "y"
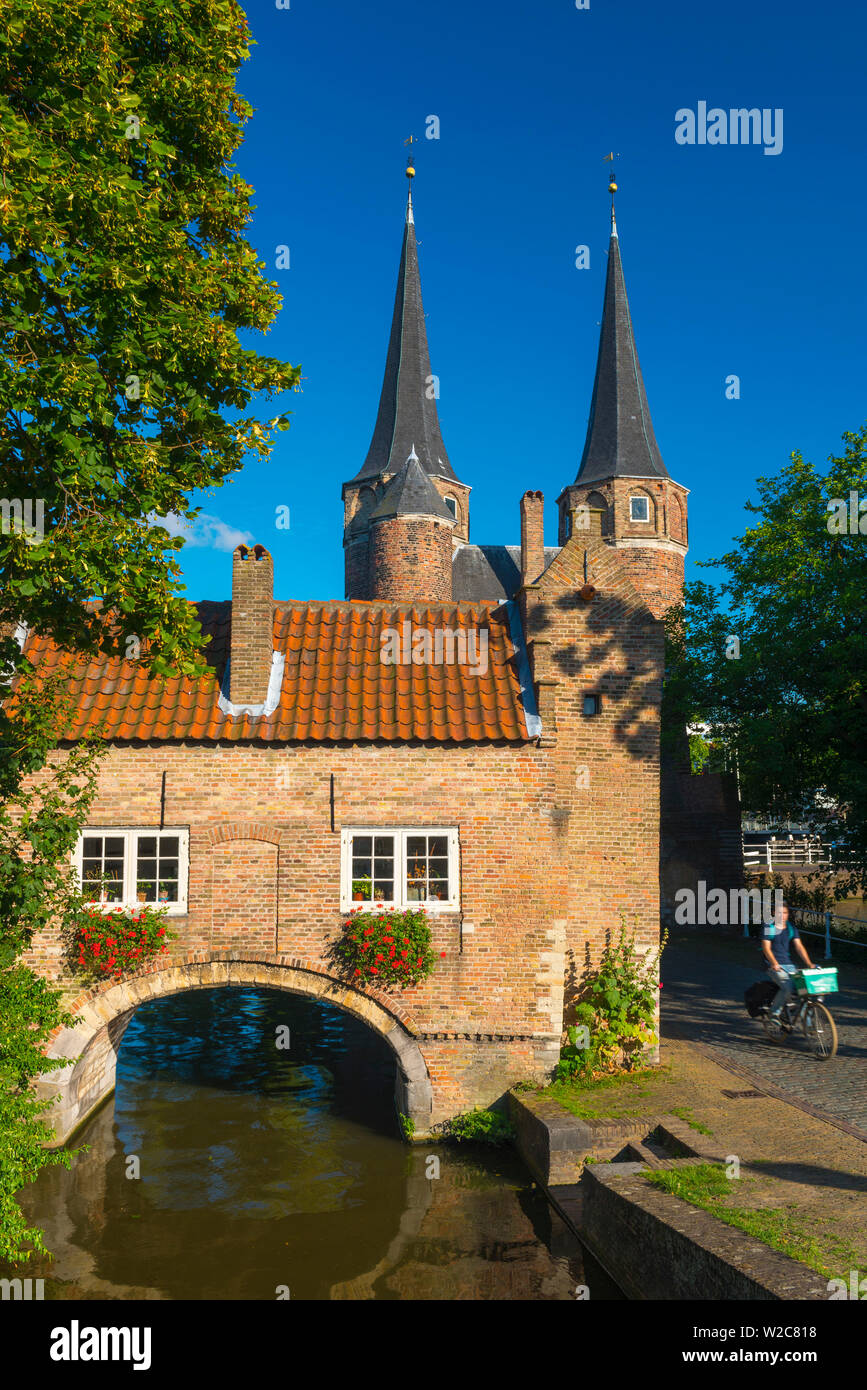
{"x": 792, "y": 706}
{"x": 125, "y": 281}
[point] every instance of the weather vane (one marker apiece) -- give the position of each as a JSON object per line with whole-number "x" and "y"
{"x": 410, "y": 171}
{"x": 612, "y": 185}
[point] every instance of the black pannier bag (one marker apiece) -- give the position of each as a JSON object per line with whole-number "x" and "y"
{"x": 758, "y": 996}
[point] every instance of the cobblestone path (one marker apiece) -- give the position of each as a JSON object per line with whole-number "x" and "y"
{"x": 704, "y": 980}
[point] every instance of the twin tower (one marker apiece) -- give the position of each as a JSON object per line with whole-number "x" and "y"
{"x": 406, "y": 531}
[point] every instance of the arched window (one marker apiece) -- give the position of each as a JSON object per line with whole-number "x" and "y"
{"x": 452, "y": 504}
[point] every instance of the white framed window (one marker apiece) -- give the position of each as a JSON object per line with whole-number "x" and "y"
{"x": 639, "y": 509}
{"x": 119, "y": 866}
{"x": 452, "y": 504}
{"x": 400, "y": 868}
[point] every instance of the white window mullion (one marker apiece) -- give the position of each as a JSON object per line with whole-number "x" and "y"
{"x": 400, "y": 868}
{"x": 129, "y": 886}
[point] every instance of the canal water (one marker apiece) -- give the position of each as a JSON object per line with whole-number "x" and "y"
{"x": 252, "y": 1151}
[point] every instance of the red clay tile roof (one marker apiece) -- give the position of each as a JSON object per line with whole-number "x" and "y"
{"x": 335, "y": 687}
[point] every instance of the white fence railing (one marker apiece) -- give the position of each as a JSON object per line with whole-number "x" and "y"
{"x": 827, "y": 920}
{"x": 784, "y": 854}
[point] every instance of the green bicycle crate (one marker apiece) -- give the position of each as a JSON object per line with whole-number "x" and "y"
{"x": 816, "y": 981}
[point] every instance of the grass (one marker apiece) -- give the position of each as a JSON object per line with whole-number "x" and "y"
{"x": 590, "y": 1100}
{"x": 683, "y": 1112}
{"x": 706, "y": 1186}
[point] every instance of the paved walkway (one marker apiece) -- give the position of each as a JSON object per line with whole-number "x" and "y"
{"x": 704, "y": 977}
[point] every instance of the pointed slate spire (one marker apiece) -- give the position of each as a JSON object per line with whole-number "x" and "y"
{"x": 411, "y": 493}
{"x": 620, "y": 439}
{"x": 407, "y": 414}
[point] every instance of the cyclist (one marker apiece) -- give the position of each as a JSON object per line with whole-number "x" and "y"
{"x": 777, "y": 937}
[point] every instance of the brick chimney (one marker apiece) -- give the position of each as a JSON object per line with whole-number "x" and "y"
{"x": 532, "y": 536}
{"x": 251, "y": 641}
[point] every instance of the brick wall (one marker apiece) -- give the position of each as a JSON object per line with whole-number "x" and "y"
{"x": 410, "y": 559}
{"x": 555, "y": 838}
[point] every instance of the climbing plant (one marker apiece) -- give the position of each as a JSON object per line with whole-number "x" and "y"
{"x": 615, "y": 1016}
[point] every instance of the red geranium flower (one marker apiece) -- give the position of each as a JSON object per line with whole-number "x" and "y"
{"x": 442, "y": 955}
{"x": 380, "y": 957}
{"x": 373, "y": 970}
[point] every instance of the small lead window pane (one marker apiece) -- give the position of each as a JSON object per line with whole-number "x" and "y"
{"x": 591, "y": 704}
{"x": 639, "y": 509}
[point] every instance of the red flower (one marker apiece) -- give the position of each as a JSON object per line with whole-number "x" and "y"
{"x": 373, "y": 970}
{"x": 404, "y": 954}
{"x": 660, "y": 985}
{"x": 418, "y": 962}
{"x": 380, "y": 958}
{"x": 406, "y": 941}
{"x": 358, "y": 972}
{"x": 442, "y": 955}
{"x": 368, "y": 931}
{"x": 161, "y": 931}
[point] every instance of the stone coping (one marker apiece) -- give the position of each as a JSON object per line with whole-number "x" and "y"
{"x": 653, "y": 1245}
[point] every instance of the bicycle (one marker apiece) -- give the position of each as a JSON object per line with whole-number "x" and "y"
{"x": 808, "y": 1009}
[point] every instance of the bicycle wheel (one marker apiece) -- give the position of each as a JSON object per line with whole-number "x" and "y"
{"x": 773, "y": 1026}
{"x": 820, "y": 1030}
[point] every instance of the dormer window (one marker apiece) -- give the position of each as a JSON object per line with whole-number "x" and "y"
{"x": 452, "y": 505}
{"x": 639, "y": 509}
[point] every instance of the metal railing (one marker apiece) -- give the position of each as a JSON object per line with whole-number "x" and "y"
{"x": 786, "y": 854}
{"x": 829, "y": 919}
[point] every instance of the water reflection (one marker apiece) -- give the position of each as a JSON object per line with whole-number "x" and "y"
{"x": 262, "y": 1168}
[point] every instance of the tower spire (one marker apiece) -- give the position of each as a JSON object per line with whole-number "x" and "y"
{"x": 407, "y": 412}
{"x": 620, "y": 439}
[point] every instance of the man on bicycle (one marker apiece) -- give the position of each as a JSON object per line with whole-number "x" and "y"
{"x": 777, "y": 937}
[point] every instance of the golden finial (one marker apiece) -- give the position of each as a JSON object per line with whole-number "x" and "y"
{"x": 612, "y": 186}
{"x": 410, "y": 171}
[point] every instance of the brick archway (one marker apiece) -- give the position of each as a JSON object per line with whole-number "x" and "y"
{"x": 103, "y": 1015}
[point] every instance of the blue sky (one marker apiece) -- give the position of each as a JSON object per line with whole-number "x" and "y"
{"x": 736, "y": 261}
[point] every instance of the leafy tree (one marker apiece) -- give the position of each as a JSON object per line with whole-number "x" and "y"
{"x": 790, "y": 700}
{"x": 125, "y": 280}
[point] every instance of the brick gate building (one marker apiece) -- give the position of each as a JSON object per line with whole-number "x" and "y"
{"x": 474, "y": 726}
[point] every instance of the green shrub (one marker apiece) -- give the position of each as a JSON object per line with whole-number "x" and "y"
{"x": 479, "y": 1127}
{"x": 616, "y": 1013}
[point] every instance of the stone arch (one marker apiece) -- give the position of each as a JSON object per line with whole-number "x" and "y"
{"x": 244, "y": 830}
{"x": 103, "y": 1015}
{"x": 597, "y": 501}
